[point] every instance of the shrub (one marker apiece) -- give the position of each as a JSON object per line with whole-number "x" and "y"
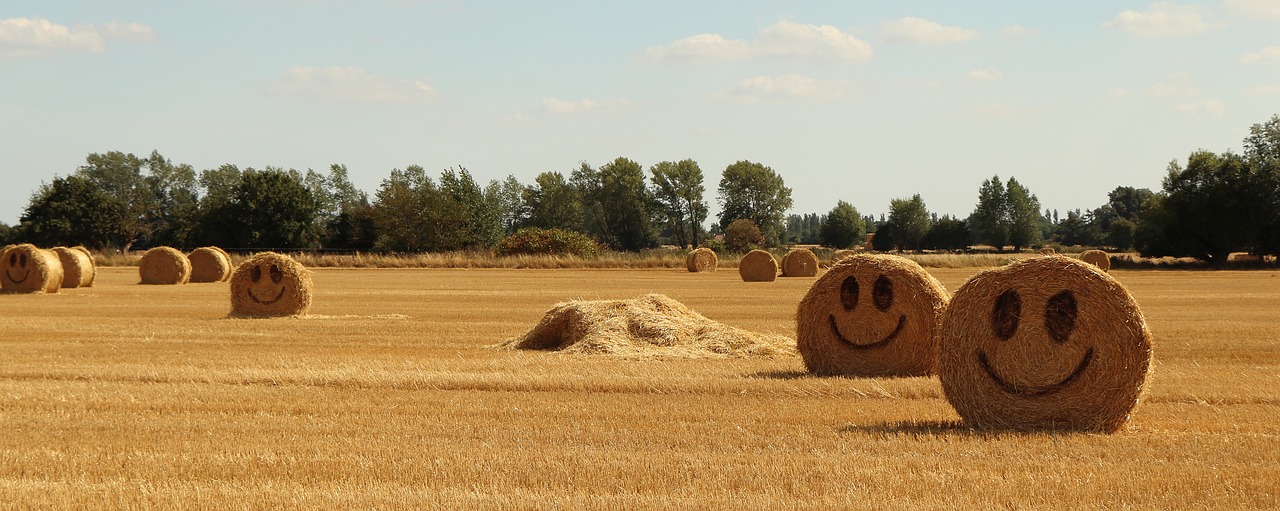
{"x": 742, "y": 235}
{"x": 538, "y": 241}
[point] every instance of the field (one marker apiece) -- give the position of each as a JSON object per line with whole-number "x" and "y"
{"x": 387, "y": 396}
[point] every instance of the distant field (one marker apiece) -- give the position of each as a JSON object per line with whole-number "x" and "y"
{"x": 125, "y": 396}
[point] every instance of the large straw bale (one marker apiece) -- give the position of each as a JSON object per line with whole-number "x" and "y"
{"x": 209, "y": 264}
{"x": 702, "y": 259}
{"x": 800, "y": 262}
{"x": 1097, "y": 258}
{"x": 77, "y": 267}
{"x": 164, "y": 266}
{"x": 1044, "y": 343}
{"x": 29, "y": 269}
{"x": 649, "y": 326}
{"x": 94, "y": 262}
{"x": 270, "y": 285}
{"x": 758, "y": 266}
{"x": 871, "y": 315}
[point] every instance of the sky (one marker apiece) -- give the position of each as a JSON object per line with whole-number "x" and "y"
{"x": 847, "y": 100}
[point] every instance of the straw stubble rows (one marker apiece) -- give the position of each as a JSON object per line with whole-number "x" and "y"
{"x": 386, "y": 396}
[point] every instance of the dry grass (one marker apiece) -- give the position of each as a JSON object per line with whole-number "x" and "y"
{"x": 385, "y": 398}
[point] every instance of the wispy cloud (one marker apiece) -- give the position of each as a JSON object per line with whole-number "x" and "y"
{"x": 791, "y": 86}
{"x": 1254, "y": 9}
{"x": 558, "y": 106}
{"x": 1268, "y": 55}
{"x": 338, "y": 83}
{"x": 923, "y": 31}
{"x": 131, "y": 32}
{"x": 1210, "y": 107}
{"x": 783, "y": 39}
{"x": 1161, "y": 19}
{"x": 34, "y": 37}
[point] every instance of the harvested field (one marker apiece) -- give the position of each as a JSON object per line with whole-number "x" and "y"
{"x": 386, "y": 396}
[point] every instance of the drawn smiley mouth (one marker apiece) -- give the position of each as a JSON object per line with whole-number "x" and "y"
{"x": 835, "y": 329}
{"x": 17, "y": 281}
{"x": 266, "y": 302}
{"x": 1034, "y": 391}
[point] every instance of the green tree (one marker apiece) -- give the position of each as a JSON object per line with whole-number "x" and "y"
{"x": 468, "y": 219}
{"x": 948, "y": 233}
{"x": 755, "y": 192}
{"x": 552, "y": 202}
{"x": 678, "y": 189}
{"x": 909, "y": 222}
{"x": 742, "y": 235}
{"x": 1121, "y": 234}
{"x": 616, "y": 202}
{"x": 990, "y": 219}
{"x": 350, "y": 224}
{"x": 1216, "y": 205}
{"x": 507, "y": 198}
{"x": 1078, "y": 229}
{"x": 120, "y": 176}
{"x": 270, "y": 209}
{"x": 402, "y": 212}
{"x": 1024, "y": 215}
{"x": 174, "y": 193}
{"x": 72, "y": 210}
{"x": 843, "y": 227}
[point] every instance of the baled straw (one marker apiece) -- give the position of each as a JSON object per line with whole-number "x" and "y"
{"x": 800, "y": 262}
{"x": 230, "y": 262}
{"x": 28, "y": 269}
{"x": 1048, "y": 251}
{"x": 1044, "y": 343}
{"x": 839, "y": 255}
{"x": 758, "y": 266}
{"x": 1097, "y": 258}
{"x": 209, "y": 264}
{"x": 871, "y": 315}
{"x": 92, "y": 260}
{"x": 77, "y": 267}
{"x": 651, "y": 326}
{"x": 701, "y": 259}
{"x": 270, "y": 285}
{"x": 164, "y": 266}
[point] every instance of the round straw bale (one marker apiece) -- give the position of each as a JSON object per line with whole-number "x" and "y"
{"x": 208, "y": 264}
{"x": 93, "y": 264}
{"x": 758, "y": 266}
{"x": 270, "y": 284}
{"x": 164, "y": 266}
{"x": 230, "y": 261}
{"x": 28, "y": 269}
{"x": 701, "y": 259}
{"x": 800, "y": 262}
{"x": 77, "y": 267}
{"x": 839, "y": 255}
{"x": 1044, "y": 343}
{"x": 1048, "y": 251}
{"x": 871, "y": 315}
{"x": 1097, "y": 258}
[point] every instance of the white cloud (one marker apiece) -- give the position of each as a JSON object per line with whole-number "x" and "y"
{"x": 31, "y": 37}
{"x": 1255, "y": 9}
{"x": 782, "y": 39}
{"x": 785, "y": 87}
{"x": 132, "y": 32}
{"x": 922, "y": 31}
{"x": 1017, "y": 30}
{"x": 1161, "y": 19}
{"x": 1268, "y": 55}
{"x": 1211, "y": 107}
{"x": 348, "y": 84}
{"x": 558, "y": 106}
{"x": 984, "y": 75}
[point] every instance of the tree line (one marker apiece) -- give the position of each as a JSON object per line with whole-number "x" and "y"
{"x": 1217, "y": 204}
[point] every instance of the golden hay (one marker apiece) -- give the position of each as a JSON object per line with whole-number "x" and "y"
{"x": 1044, "y": 343}
{"x": 1048, "y": 251}
{"x": 28, "y": 269}
{"x": 702, "y": 259}
{"x": 839, "y": 255}
{"x": 270, "y": 285}
{"x": 77, "y": 267}
{"x": 758, "y": 266}
{"x": 209, "y": 264}
{"x": 1097, "y": 258}
{"x": 871, "y": 315}
{"x": 800, "y": 262}
{"x": 93, "y": 260}
{"x": 164, "y": 266}
{"x": 230, "y": 262}
{"x": 649, "y": 326}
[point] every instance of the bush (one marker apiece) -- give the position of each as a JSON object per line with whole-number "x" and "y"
{"x": 538, "y": 241}
{"x": 742, "y": 235}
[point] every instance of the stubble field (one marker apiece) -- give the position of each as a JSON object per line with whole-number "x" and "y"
{"x": 387, "y": 396}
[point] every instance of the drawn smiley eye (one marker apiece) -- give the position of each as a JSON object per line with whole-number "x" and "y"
{"x": 13, "y": 259}
{"x": 255, "y": 274}
{"x": 276, "y": 274}
{"x": 849, "y": 293}
{"x": 882, "y": 293}
{"x": 1060, "y": 316}
{"x": 1006, "y": 314}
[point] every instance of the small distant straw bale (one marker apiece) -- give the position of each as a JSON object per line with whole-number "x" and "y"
{"x": 758, "y": 266}
{"x": 651, "y": 326}
{"x": 164, "y": 266}
{"x": 702, "y": 259}
{"x": 29, "y": 269}
{"x": 800, "y": 262}
{"x": 209, "y": 264}
{"x": 1097, "y": 258}
{"x": 839, "y": 255}
{"x": 270, "y": 285}
{"x": 77, "y": 267}
{"x": 1048, "y": 251}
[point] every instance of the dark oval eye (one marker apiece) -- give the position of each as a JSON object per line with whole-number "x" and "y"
{"x": 276, "y": 274}
{"x": 882, "y": 293}
{"x": 22, "y": 260}
{"x": 1006, "y": 314}
{"x": 13, "y": 259}
{"x": 1060, "y": 316}
{"x": 849, "y": 293}
{"x": 256, "y": 273}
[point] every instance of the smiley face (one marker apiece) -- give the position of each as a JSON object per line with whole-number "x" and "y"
{"x": 17, "y": 266}
{"x": 27, "y": 269}
{"x": 270, "y": 284}
{"x": 871, "y": 315}
{"x": 1044, "y": 343}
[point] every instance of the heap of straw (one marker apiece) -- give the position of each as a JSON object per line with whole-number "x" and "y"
{"x": 77, "y": 266}
{"x": 871, "y": 315}
{"x": 800, "y": 262}
{"x": 270, "y": 285}
{"x": 701, "y": 259}
{"x": 209, "y": 264}
{"x": 645, "y": 327}
{"x": 1044, "y": 343}
{"x": 1097, "y": 258}
{"x": 164, "y": 266}
{"x": 758, "y": 266}
{"x": 29, "y": 269}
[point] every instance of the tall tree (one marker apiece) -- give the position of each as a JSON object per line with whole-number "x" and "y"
{"x": 753, "y": 191}
{"x": 402, "y": 211}
{"x": 120, "y": 176}
{"x": 468, "y": 219}
{"x": 175, "y": 196}
{"x": 1216, "y": 205}
{"x": 843, "y": 227}
{"x": 679, "y": 191}
{"x": 72, "y": 210}
{"x": 553, "y": 203}
{"x": 270, "y": 209}
{"x": 507, "y": 197}
{"x": 1024, "y": 215}
{"x": 990, "y": 219}
{"x": 909, "y": 222}
{"x": 626, "y": 201}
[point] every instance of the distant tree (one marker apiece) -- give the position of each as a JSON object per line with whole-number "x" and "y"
{"x": 616, "y": 204}
{"x": 843, "y": 227}
{"x": 1024, "y": 215}
{"x": 270, "y": 209}
{"x": 1216, "y": 205}
{"x": 402, "y": 211}
{"x": 6, "y": 234}
{"x": 909, "y": 220}
{"x": 948, "y": 233}
{"x": 742, "y": 235}
{"x": 1121, "y": 234}
{"x": 72, "y": 210}
{"x": 755, "y": 192}
{"x": 352, "y": 226}
{"x": 174, "y": 211}
{"x": 990, "y": 219}
{"x": 884, "y": 239}
{"x": 507, "y": 197}
{"x": 1078, "y": 229}
{"x": 552, "y": 202}
{"x": 467, "y": 219}
{"x": 678, "y": 189}
{"x": 120, "y": 176}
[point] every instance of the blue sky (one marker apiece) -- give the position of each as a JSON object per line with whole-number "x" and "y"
{"x": 847, "y": 100}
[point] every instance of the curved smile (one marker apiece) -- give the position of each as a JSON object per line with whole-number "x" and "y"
{"x": 835, "y": 329}
{"x": 1023, "y": 390}
{"x": 267, "y": 302}
{"x": 17, "y": 281}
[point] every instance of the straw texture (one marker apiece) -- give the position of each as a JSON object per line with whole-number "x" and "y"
{"x": 800, "y": 262}
{"x": 270, "y": 285}
{"x": 758, "y": 266}
{"x": 1097, "y": 258}
{"x": 28, "y": 269}
{"x": 209, "y": 264}
{"x": 164, "y": 266}
{"x": 702, "y": 259}
{"x": 77, "y": 267}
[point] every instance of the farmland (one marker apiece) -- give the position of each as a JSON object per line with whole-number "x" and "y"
{"x": 388, "y": 395}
